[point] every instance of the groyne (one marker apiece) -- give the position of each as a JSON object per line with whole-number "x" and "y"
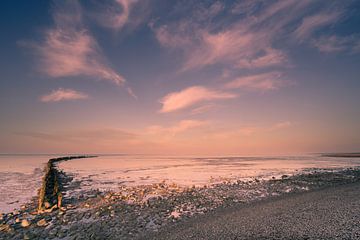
{"x": 50, "y": 193}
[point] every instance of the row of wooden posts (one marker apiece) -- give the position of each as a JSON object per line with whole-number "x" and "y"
{"x": 50, "y": 193}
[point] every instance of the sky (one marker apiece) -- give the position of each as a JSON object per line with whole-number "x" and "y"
{"x": 247, "y": 77}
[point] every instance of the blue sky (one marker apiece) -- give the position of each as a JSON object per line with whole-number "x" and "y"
{"x": 180, "y": 77}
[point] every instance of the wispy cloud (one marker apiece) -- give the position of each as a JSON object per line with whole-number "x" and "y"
{"x": 247, "y": 42}
{"x": 181, "y": 126}
{"x": 62, "y": 94}
{"x": 82, "y": 135}
{"x": 333, "y": 44}
{"x": 236, "y": 46}
{"x": 313, "y": 23}
{"x": 70, "y": 50}
{"x": 114, "y": 14}
{"x": 190, "y": 96}
{"x": 245, "y": 35}
{"x": 203, "y": 109}
{"x": 263, "y": 82}
{"x": 280, "y": 125}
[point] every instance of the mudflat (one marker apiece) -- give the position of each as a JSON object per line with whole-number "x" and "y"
{"x": 330, "y": 213}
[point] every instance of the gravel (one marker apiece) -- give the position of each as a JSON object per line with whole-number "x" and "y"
{"x": 330, "y": 213}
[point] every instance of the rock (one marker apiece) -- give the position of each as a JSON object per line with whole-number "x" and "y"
{"x": 51, "y": 209}
{"x": 41, "y": 223}
{"x": 25, "y": 223}
{"x": 17, "y": 220}
{"x": 5, "y": 228}
{"x": 23, "y": 207}
{"x": 112, "y": 213}
{"x": 175, "y": 214}
{"x": 47, "y": 205}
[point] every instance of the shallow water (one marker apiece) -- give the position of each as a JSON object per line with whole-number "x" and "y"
{"x": 20, "y": 175}
{"x": 110, "y": 172}
{"x": 20, "y": 178}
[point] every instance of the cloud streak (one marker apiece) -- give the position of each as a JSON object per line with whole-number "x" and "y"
{"x": 180, "y": 127}
{"x": 244, "y": 36}
{"x": 312, "y": 23}
{"x": 190, "y": 96}
{"x": 69, "y": 49}
{"x": 333, "y": 44}
{"x": 114, "y": 15}
{"x": 262, "y": 82}
{"x": 62, "y": 94}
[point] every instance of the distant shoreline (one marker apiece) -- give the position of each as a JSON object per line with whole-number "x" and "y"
{"x": 344, "y": 155}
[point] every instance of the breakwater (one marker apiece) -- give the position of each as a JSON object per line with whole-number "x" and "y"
{"x": 50, "y": 193}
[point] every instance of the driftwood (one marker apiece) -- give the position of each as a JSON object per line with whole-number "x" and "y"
{"x": 50, "y": 195}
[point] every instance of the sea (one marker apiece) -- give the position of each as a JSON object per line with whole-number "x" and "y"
{"x": 20, "y": 175}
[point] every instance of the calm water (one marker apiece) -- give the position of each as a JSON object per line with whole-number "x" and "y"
{"x": 20, "y": 176}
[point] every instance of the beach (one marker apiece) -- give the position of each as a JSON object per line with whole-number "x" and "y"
{"x": 330, "y": 213}
{"x": 167, "y": 210}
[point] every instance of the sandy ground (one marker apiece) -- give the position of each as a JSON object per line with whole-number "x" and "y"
{"x": 331, "y": 213}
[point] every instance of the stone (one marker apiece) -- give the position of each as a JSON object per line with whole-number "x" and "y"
{"x": 25, "y": 223}
{"x": 17, "y": 220}
{"x": 5, "y": 228}
{"x": 41, "y": 223}
{"x": 47, "y": 205}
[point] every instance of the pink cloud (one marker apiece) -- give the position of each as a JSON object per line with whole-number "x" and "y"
{"x": 281, "y": 125}
{"x": 263, "y": 82}
{"x": 62, "y": 95}
{"x": 246, "y": 43}
{"x": 203, "y": 109}
{"x": 312, "y": 23}
{"x": 237, "y": 46}
{"x": 115, "y": 14}
{"x": 70, "y": 50}
{"x": 332, "y": 44}
{"x": 190, "y": 96}
{"x": 181, "y": 126}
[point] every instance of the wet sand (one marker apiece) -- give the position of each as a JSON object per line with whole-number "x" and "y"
{"x": 330, "y": 213}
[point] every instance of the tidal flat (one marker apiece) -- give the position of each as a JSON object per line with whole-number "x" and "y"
{"x": 138, "y": 211}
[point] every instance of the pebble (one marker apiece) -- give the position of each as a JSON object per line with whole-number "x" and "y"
{"x": 41, "y": 223}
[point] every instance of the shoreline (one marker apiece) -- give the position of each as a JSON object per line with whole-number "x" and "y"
{"x": 135, "y": 211}
{"x": 327, "y": 213}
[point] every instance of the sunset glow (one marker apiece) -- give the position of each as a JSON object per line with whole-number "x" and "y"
{"x": 180, "y": 77}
